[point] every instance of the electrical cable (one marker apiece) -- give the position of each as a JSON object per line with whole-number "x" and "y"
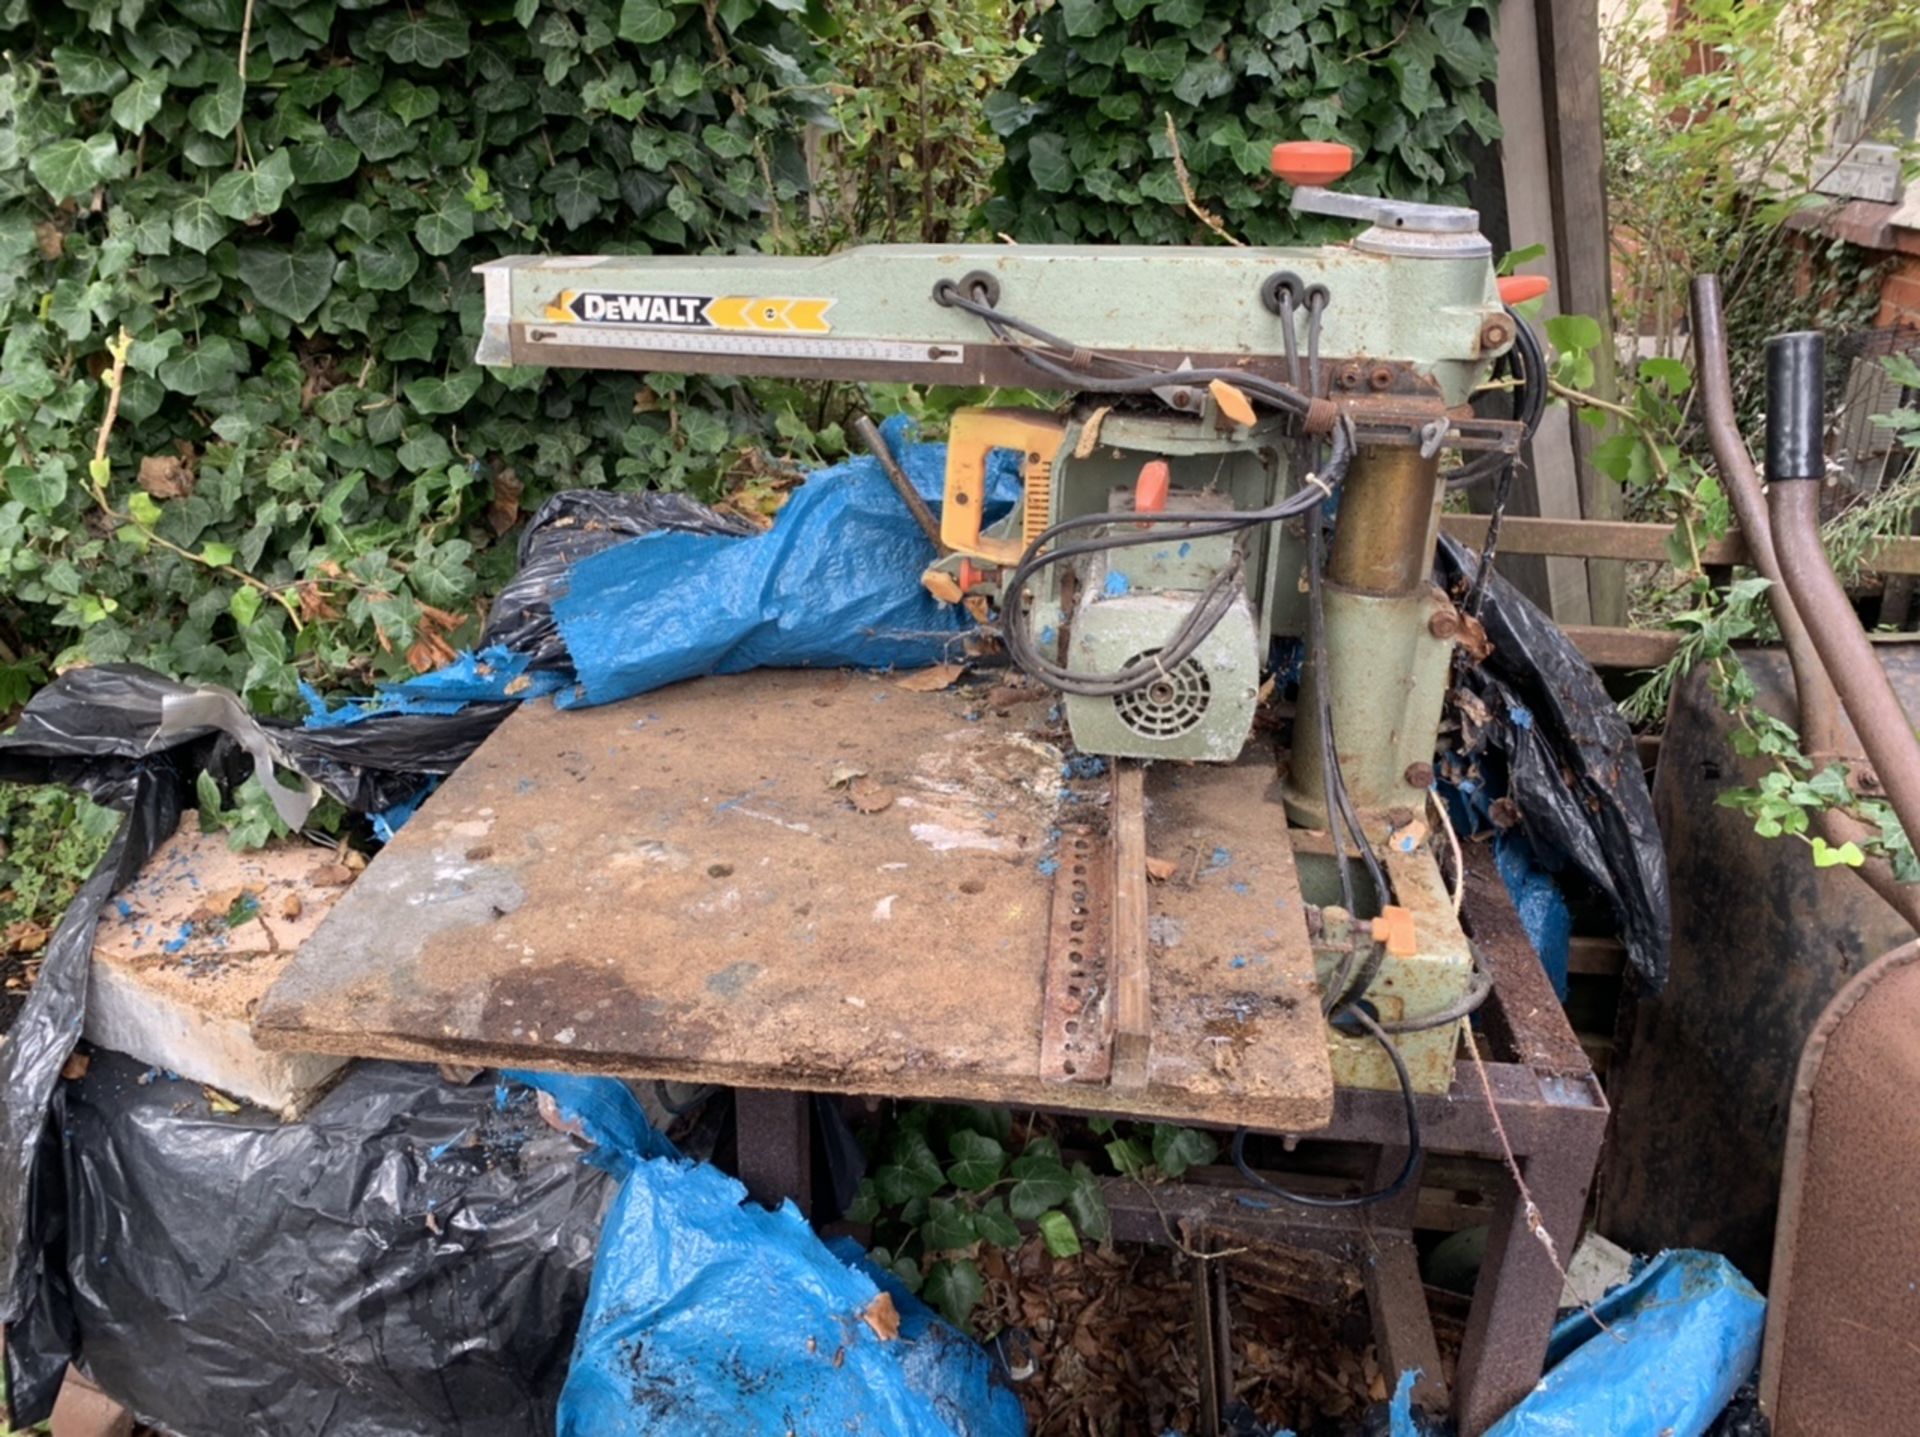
{"x": 1070, "y": 361}
{"x": 1527, "y": 362}
{"x": 1415, "y": 1150}
{"x": 1209, "y": 607}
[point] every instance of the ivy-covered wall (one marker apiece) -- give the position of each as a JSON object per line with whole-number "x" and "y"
{"x": 280, "y": 203}
{"x": 1085, "y": 119}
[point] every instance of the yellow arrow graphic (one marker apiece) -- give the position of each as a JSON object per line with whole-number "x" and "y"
{"x": 729, "y": 311}
{"x": 557, "y": 312}
{"x": 809, "y": 316}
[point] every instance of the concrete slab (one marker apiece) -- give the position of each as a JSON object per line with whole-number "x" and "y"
{"x": 184, "y": 954}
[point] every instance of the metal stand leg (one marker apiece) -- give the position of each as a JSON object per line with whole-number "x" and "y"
{"x": 1518, "y": 1290}
{"x": 1396, "y": 1300}
{"x": 775, "y": 1146}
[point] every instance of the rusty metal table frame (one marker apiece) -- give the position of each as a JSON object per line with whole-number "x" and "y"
{"x": 1547, "y": 1114}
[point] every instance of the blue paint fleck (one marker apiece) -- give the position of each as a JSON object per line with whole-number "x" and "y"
{"x": 126, "y": 908}
{"x": 1521, "y": 715}
{"x": 1048, "y": 634}
{"x": 1117, "y": 584}
{"x": 1239, "y": 887}
{"x": 1084, "y": 765}
{"x": 435, "y": 1154}
{"x": 1048, "y": 867}
{"x": 1186, "y": 549}
{"x": 1239, "y": 960}
{"x": 1221, "y": 858}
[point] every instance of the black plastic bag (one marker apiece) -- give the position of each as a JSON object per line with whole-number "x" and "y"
{"x": 412, "y": 1257}
{"x": 1572, "y": 768}
{"x": 571, "y": 525}
{"x": 99, "y": 731}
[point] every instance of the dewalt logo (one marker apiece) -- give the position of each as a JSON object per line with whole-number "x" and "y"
{"x": 763, "y": 314}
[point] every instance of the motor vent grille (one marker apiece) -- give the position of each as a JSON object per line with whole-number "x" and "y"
{"x": 1168, "y": 705}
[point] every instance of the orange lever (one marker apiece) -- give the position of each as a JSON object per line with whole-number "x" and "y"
{"x": 1519, "y": 288}
{"x": 1150, "y": 489}
{"x": 1311, "y": 162}
{"x": 1394, "y": 928}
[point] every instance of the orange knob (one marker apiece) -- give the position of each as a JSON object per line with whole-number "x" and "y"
{"x": 1150, "y": 489}
{"x": 1311, "y": 162}
{"x": 970, "y": 577}
{"x": 1519, "y": 288}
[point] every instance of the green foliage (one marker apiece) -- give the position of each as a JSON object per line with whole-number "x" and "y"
{"x": 947, "y": 1181}
{"x": 909, "y": 156}
{"x": 308, "y": 477}
{"x": 1717, "y": 132}
{"x": 1647, "y": 456}
{"x": 1085, "y": 118}
{"x": 50, "y": 840}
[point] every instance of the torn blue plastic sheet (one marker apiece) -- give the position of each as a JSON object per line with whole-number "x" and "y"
{"x": 1682, "y": 1336}
{"x": 490, "y": 676}
{"x": 835, "y": 583}
{"x": 708, "y": 1313}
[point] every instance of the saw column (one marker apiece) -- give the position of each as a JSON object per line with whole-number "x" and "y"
{"x": 1387, "y": 674}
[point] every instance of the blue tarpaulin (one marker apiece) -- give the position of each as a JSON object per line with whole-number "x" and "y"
{"x": 1679, "y": 1340}
{"x": 835, "y": 582}
{"x": 710, "y": 1314}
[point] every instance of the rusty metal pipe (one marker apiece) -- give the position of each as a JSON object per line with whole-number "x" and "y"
{"x": 1389, "y": 515}
{"x": 1795, "y": 468}
{"x": 1819, "y": 720}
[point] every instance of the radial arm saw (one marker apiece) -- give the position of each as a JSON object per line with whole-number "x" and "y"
{"x": 1223, "y": 403}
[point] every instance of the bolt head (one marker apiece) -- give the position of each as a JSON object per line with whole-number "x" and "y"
{"x": 1419, "y": 775}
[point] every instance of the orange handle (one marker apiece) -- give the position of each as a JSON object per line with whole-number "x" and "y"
{"x": 976, "y": 433}
{"x": 1311, "y": 162}
{"x": 1519, "y": 288}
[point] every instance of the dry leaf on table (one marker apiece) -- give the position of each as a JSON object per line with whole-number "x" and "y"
{"x": 882, "y": 1317}
{"x": 76, "y": 1066}
{"x": 931, "y": 681}
{"x": 869, "y": 797}
{"x": 1161, "y": 869}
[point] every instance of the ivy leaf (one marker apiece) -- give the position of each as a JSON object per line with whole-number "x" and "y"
{"x": 138, "y": 102}
{"x": 577, "y": 193}
{"x": 1825, "y": 855}
{"x": 914, "y": 1171}
{"x": 288, "y": 280}
{"x": 445, "y": 227}
{"x": 1087, "y": 1205}
{"x": 1048, "y": 163}
{"x": 1039, "y": 1183}
{"x": 85, "y": 72}
{"x": 995, "y": 1226}
{"x": 42, "y": 490}
{"x": 208, "y": 366}
{"x": 67, "y": 168}
{"x": 245, "y": 194}
{"x": 978, "y": 1160}
{"x": 1175, "y": 1149}
{"x": 197, "y": 225}
{"x": 646, "y": 22}
{"x": 425, "y": 40}
{"x": 1129, "y": 1156}
{"x": 377, "y": 131}
{"x": 385, "y": 262}
{"x": 323, "y": 162}
{"x": 865, "y": 1207}
{"x": 948, "y": 1226}
{"x": 954, "y": 1288}
{"x": 1056, "y": 1228}
{"x": 218, "y": 111}
{"x": 244, "y": 604}
{"x": 425, "y": 450}
{"x": 443, "y": 575}
{"x": 433, "y": 395}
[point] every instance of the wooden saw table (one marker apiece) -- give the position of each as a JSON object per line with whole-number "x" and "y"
{"x": 816, "y": 881}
